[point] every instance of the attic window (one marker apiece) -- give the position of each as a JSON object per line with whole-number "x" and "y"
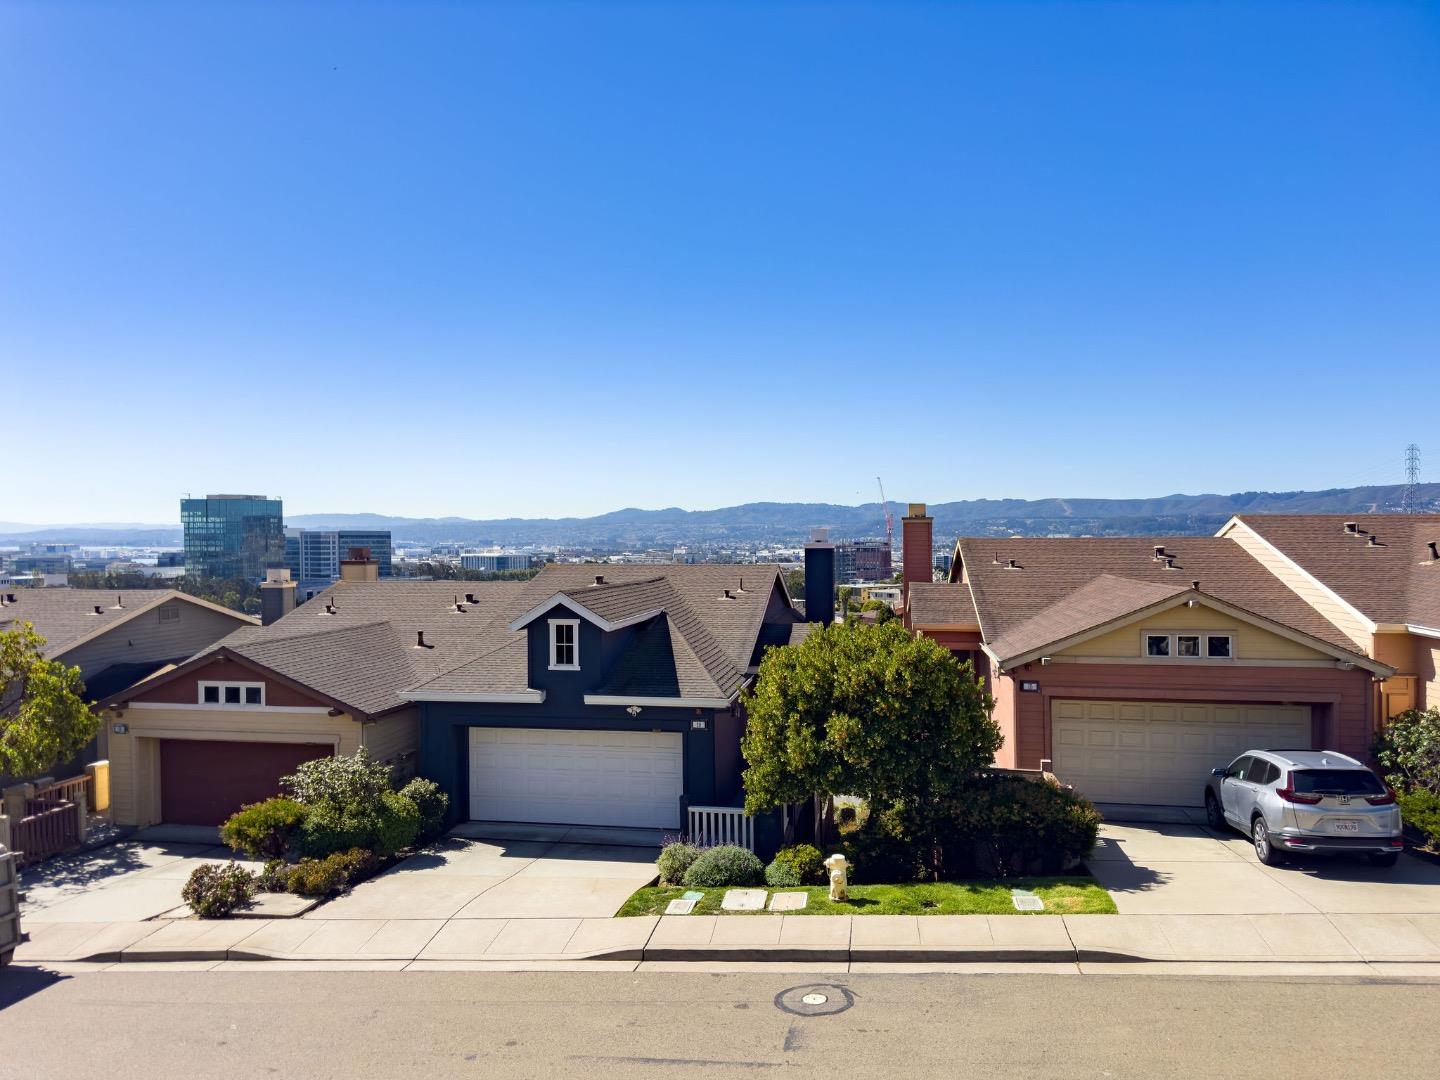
{"x": 232, "y": 693}
{"x": 564, "y": 644}
{"x": 1157, "y": 644}
{"x": 170, "y": 613}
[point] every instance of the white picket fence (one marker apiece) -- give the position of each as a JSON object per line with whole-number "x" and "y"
{"x": 710, "y": 826}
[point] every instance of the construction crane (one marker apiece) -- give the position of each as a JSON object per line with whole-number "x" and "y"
{"x": 889, "y": 517}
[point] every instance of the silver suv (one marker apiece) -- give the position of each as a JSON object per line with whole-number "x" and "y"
{"x": 1307, "y": 801}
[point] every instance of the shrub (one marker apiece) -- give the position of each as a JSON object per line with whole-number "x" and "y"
{"x": 804, "y": 860}
{"x": 264, "y": 830}
{"x": 214, "y": 891}
{"x": 1007, "y": 825}
{"x": 397, "y": 824}
{"x": 1421, "y": 810}
{"x": 881, "y": 853}
{"x": 674, "y": 860}
{"x": 1408, "y": 750}
{"x": 331, "y": 875}
{"x": 274, "y": 878}
{"x": 724, "y": 866}
{"x": 431, "y": 801}
{"x": 351, "y": 782}
{"x": 329, "y": 828}
{"x": 781, "y": 875}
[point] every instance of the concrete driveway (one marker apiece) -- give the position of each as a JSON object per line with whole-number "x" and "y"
{"x": 1186, "y": 869}
{"x": 125, "y": 882}
{"x": 539, "y": 872}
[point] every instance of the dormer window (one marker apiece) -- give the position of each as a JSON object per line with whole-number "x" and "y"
{"x": 564, "y": 644}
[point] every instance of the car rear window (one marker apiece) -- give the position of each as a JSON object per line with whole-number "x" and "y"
{"x": 1337, "y": 782}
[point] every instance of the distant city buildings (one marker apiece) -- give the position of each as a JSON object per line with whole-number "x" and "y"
{"x": 863, "y": 560}
{"x": 232, "y": 536}
{"x": 315, "y": 554}
{"x": 494, "y": 561}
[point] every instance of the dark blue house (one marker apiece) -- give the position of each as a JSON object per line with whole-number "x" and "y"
{"x": 605, "y": 695}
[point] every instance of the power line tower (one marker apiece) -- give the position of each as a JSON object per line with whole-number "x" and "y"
{"x": 1409, "y": 498}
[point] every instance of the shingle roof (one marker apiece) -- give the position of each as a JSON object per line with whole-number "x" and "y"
{"x": 940, "y": 603}
{"x": 1117, "y": 571}
{"x": 1095, "y": 603}
{"x": 1392, "y": 581}
{"x": 64, "y": 616}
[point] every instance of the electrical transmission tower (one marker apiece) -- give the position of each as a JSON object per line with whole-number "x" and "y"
{"x": 1409, "y": 498}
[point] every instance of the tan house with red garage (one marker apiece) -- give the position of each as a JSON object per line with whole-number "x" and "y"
{"x": 1133, "y": 666}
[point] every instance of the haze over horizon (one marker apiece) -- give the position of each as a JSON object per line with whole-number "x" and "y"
{"x": 552, "y": 259}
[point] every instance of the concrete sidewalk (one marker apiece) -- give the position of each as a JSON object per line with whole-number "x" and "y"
{"x": 1339, "y": 942}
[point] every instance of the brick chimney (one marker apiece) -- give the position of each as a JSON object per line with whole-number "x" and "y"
{"x": 277, "y": 596}
{"x": 820, "y": 578}
{"x": 917, "y": 547}
{"x": 359, "y": 566}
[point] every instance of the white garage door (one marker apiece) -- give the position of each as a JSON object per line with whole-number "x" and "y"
{"x": 1150, "y": 752}
{"x": 571, "y": 777}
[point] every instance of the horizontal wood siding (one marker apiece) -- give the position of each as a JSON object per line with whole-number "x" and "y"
{"x": 1429, "y": 665}
{"x": 1251, "y": 642}
{"x": 134, "y": 761}
{"x": 145, "y": 638}
{"x": 394, "y": 739}
{"x": 1342, "y": 698}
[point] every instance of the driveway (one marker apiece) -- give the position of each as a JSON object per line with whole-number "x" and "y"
{"x": 125, "y": 882}
{"x": 542, "y": 873}
{"x": 1186, "y": 869}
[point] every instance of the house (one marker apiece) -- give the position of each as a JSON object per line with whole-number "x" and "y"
{"x": 1376, "y": 578}
{"x": 117, "y": 638}
{"x": 1132, "y": 666}
{"x": 588, "y": 695}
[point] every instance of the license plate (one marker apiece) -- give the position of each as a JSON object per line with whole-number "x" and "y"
{"x": 1345, "y": 826}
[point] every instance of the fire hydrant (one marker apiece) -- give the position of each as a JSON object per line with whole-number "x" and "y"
{"x": 838, "y": 865}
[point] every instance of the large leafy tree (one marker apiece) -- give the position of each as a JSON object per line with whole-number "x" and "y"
{"x": 44, "y": 718}
{"x": 866, "y": 710}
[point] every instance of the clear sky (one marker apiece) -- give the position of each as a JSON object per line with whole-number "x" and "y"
{"x": 534, "y": 259}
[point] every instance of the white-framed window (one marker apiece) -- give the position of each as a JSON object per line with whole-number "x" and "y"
{"x": 1190, "y": 645}
{"x": 564, "y": 644}
{"x": 232, "y": 693}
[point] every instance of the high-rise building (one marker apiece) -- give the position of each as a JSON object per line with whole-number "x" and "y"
{"x": 230, "y": 536}
{"x": 863, "y": 560}
{"x": 315, "y": 554}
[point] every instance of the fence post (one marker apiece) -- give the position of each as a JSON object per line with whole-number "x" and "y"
{"x": 13, "y": 799}
{"x": 5, "y": 841}
{"x": 82, "y": 816}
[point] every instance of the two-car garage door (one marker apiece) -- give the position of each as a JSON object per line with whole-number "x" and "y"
{"x": 1162, "y": 753}
{"x": 564, "y": 776}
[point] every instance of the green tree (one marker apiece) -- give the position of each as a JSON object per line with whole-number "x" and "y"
{"x": 795, "y": 583}
{"x": 866, "y": 710}
{"x": 45, "y": 719}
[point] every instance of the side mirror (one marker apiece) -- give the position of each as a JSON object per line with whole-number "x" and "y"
{"x": 1217, "y": 772}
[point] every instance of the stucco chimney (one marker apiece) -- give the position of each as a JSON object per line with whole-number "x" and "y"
{"x": 277, "y": 596}
{"x": 359, "y": 566}
{"x": 820, "y": 578}
{"x": 917, "y": 548}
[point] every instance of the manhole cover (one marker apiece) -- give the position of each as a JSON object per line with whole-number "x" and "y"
{"x": 814, "y": 1000}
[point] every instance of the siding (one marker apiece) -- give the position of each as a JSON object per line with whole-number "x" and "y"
{"x": 1251, "y": 642}
{"x": 394, "y": 739}
{"x": 145, "y": 638}
{"x": 1343, "y": 698}
{"x": 134, "y": 756}
{"x": 1301, "y": 585}
{"x": 1429, "y": 657}
{"x": 185, "y": 690}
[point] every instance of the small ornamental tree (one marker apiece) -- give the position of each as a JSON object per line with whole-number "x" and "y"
{"x": 44, "y": 718}
{"x": 866, "y": 710}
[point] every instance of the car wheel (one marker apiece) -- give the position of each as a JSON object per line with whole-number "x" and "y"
{"x": 1264, "y": 850}
{"x": 1384, "y": 858}
{"x": 1213, "y": 814}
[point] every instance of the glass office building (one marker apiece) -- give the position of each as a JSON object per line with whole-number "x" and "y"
{"x": 229, "y": 536}
{"x": 315, "y": 554}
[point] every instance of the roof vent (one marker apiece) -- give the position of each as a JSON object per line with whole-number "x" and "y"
{"x": 330, "y": 606}
{"x": 1159, "y": 552}
{"x": 729, "y": 595}
{"x": 10, "y": 596}
{"x": 1195, "y": 585}
{"x": 599, "y": 579}
{"x": 119, "y": 602}
{"x": 470, "y": 598}
{"x": 460, "y": 607}
{"x": 420, "y": 640}
{"x": 742, "y": 584}
{"x": 1374, "y": 541}
{"x": 99, "y": 610}
{"x": 1434, "y": 557}
{"x": 1011, "y": 564}
{"x": 1169, "y": 562}
{"x": 1352, "y": 527}
{"x": 996, "y": 560}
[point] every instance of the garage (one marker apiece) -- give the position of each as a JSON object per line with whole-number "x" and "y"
{"x": 204, "y": 781}
{"x": 1162, "y": 752}
{"x": 564, "y": 776}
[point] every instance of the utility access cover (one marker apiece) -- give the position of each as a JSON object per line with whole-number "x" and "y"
{"x": 1025, "y": 900}
{"x": 817, "y": 999}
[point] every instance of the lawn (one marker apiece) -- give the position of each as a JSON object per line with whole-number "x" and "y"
{"x": 1062, "y": 896}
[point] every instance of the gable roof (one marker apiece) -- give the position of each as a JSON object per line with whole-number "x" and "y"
{"x": 67, "y": 618}
{"x": 1392, "y": 581}
{"x": 940, "y": 603}
{"x": 1063, "y": 586}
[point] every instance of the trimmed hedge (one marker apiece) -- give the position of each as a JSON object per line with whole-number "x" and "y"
{"x": 804, "y": 860}
{"x": 331, "y": 875}
{"x": 214, "y": 891}
{"x": 723, "y": 867}
{"x": 675, "y": 859}
{"x": 432, "y": 803}
{"x": 264, "y": 830}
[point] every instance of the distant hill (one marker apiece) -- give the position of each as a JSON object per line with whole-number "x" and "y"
{"x": 791, "y": 522}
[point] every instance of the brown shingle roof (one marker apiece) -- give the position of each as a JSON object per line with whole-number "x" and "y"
{"x": 940, "y": 603}
{"x": 1392, "y": 581}
{"x": 1048, "y": 570}
{"x": 64, "y": 617}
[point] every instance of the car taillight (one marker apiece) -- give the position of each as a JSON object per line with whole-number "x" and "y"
{"x": 1381, "y": 800}
{"x": 1289, "y": 794}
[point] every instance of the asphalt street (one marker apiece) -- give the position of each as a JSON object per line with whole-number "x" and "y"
{"x": 161, "y": 1024}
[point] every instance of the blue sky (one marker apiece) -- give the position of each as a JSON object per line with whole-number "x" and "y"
{"x": 531, "y": 259}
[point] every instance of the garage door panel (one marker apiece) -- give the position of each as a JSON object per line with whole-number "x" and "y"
{"x": 204, "y": 781}
{"x": 1154, "y": 752}
{"x": 566, "y": 776}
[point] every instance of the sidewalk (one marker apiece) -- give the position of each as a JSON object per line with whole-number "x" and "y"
{"x": 1336, "y": 944}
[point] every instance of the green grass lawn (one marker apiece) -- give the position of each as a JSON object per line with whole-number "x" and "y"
{"x": 1062, "y": 896}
